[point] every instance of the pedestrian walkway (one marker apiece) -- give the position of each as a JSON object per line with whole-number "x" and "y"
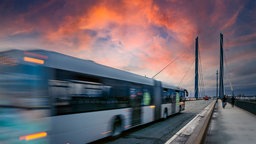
{"x": 231, "y": 125}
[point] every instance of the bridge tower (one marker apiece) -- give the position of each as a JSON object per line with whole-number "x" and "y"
{"x": 196, "y": 68}
{"x": 217, "y": 78}
{"x": 221, "y": 86}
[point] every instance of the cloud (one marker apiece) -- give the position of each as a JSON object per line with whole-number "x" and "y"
{"x": 242, "y": 40}
{"x": 138, "y": 36}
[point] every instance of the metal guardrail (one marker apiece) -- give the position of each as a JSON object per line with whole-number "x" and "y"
{"x": 246, "y": 105}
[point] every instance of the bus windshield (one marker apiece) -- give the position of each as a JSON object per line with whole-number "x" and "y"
{"x": 23, "y": 102}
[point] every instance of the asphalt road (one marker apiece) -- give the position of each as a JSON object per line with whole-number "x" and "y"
{"x": 159, "y": 132}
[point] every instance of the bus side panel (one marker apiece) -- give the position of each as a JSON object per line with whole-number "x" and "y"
{"x": 85, "y": 127}
{"x": 157, "y": 100}
{"x": 167, "y": 106}
{"x": 148, "y": 114}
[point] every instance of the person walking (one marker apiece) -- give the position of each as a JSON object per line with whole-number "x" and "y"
{"x": 224, "y": 101}
{"x": 233, "y": 101}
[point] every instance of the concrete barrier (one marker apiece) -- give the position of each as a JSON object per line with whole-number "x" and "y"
{"x": 195, "y": 130}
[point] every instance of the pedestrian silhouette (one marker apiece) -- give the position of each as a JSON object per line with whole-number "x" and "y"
{"x": 224, "y": 101}
{"x": 233, "y": 101}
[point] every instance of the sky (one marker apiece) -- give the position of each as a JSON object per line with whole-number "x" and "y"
{"x": 143, "y": 36}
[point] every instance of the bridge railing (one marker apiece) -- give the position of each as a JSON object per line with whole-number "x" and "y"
{"x": 248, "y": 105}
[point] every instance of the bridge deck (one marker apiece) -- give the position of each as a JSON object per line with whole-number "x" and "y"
{"x": 231, "y": 126}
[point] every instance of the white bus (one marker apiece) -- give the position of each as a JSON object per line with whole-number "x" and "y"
{"x": 48, "y": 97}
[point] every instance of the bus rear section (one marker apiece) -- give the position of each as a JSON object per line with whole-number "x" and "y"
{"x": 24, "y": 106}
{"x": 172, "y": 100}
{"x": 183, "y": 95}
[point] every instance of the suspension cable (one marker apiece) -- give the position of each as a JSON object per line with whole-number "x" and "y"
{"x": 165, "y": 67}
{"x": 201, "y": 78}
{"x": 185, "y": 74}
{"x": 228, "y": 76}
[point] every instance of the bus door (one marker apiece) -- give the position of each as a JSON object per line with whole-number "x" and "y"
{"x": 177, "y": 101}
{"x": 135, "y": 102}
{"x": 173, "y": 102}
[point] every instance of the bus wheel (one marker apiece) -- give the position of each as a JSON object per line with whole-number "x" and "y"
{"x": 117, "y": 127}
{"x": 165, "y": 113}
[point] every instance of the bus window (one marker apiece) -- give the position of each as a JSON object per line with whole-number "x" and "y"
{"x": 78, "y": 96}
{"x": 23, "y": 86}
{"x": 146, "y": 100}
{"x": 174, "y": 96}
{"x": 167, "y": 96}
{"x": 177, "y": 98}
{"x": 76, "y": 93}
{"x": 182, "y": 96}
{"x": 119, "y": 93}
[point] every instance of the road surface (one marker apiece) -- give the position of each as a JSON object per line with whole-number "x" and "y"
{"x": 159, "y": 132}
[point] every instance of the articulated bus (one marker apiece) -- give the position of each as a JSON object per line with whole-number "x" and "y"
{"x": 48, "y": 97}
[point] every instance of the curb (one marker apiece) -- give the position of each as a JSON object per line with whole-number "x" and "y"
{"x": 195, "y": 130}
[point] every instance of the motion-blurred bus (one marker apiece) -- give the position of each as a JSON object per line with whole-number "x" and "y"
{"x": 48, "y": 97}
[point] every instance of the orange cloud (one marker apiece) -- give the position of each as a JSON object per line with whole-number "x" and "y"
{"x": 125, "y": 36}
{"x": 177, "y": 23}
{"x": 127, "y": 23}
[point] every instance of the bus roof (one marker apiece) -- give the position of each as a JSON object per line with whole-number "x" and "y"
{"x": 166, "y": 85}
{"x": 64, "y": 62}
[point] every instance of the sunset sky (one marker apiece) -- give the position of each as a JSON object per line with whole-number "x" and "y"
{"x": 142, "y": 36}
